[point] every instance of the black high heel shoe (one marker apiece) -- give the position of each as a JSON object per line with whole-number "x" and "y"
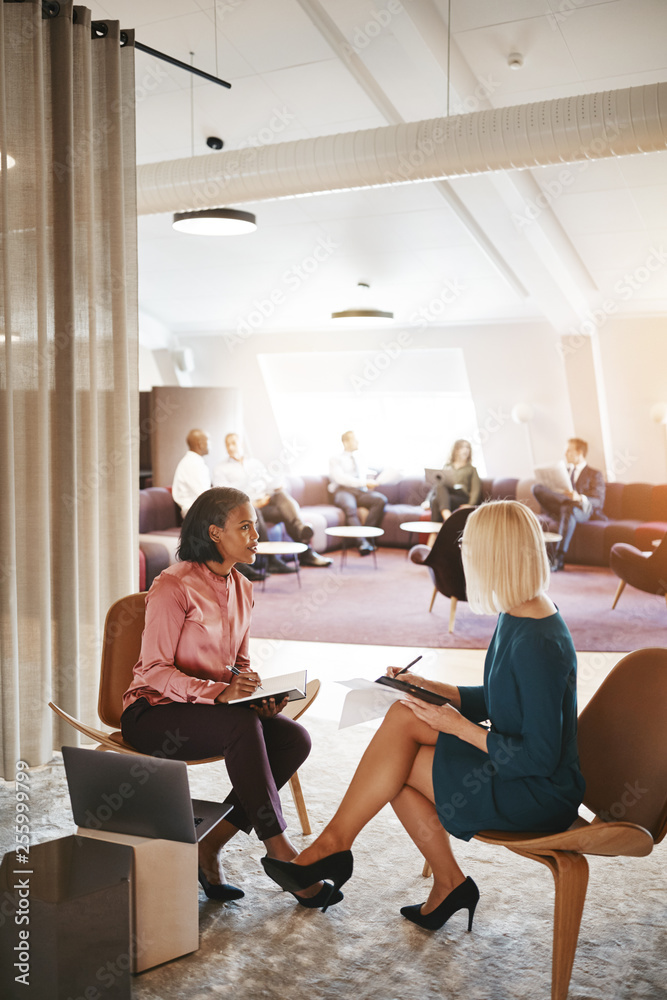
{"x": 222, "y": 893}
{"x": 336, "y": 868}
{"x": 464, "y": 897}
{"x": 325, "y": 897}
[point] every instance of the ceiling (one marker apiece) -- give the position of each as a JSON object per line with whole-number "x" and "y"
{"x": 549, "y": 243}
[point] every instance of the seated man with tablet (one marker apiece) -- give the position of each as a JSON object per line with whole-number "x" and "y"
{"x": 571, "y": 498}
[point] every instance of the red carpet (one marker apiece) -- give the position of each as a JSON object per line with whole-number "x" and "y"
{"x": 389, "y": 607}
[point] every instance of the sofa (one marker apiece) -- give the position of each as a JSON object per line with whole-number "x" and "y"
{"x": 635, "y": 513}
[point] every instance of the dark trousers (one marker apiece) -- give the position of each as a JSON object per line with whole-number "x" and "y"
{"x": 564, "y": 511}
{"x": 442, "y": 498}
{"x": 261, "y": 755}
{"x": 350, "y": 498}
{"x": 282, "y": 507}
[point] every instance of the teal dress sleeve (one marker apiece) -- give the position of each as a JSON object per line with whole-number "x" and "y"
{"x": 473, "y": 703}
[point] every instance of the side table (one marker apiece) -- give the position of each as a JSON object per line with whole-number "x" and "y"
{"x": 352, "y": 531}
{"x": 281, "y": 549}
{"x": 76, "y": 895}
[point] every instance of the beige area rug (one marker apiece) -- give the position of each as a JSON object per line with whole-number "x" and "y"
{"x": 265, "y": 946}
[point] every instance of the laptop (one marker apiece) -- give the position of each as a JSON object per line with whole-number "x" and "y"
{"x": 136, "y": 794}
{"x": 446, "y": 476}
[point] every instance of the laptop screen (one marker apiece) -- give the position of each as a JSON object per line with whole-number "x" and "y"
{"x": 131, "y": 794}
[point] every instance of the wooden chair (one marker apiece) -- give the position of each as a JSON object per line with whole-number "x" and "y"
{"x": 646, "y": 571}
{"x": 621, "y": 748}
{"x": 444, "y": 562}
{"x": 120, "y": 651}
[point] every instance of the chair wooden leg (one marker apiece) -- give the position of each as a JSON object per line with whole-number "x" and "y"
{"x": 297, "y": 795}
{"x": 435, "y": 594}
{"x": 621, "y": 588}
{"x": 570, "y": 872}
{"x": 453, "y": 601}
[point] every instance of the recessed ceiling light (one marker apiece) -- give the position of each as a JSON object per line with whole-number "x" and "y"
{"x": 215, "y": 222}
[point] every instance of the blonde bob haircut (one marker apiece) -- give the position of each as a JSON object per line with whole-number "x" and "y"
{"x": 504, "y": 557}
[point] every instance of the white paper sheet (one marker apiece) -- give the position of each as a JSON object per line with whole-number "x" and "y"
{"x": 365, "y": 701}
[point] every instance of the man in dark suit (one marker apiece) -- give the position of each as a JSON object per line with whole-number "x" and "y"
{"x": 579, "y": 504}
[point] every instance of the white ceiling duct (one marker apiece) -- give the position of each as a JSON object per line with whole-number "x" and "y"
{"x": 590, "y": 126}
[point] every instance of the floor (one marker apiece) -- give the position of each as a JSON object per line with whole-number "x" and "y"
{"x": 265, "y": 946}
{"x": 332, "y": 662}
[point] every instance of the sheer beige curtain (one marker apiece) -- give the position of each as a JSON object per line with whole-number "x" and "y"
{"x": 68, "y": 362}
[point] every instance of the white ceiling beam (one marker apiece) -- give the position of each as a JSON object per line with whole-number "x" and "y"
{"x": 373, "y": 90}
{"x": 423, "y": 34}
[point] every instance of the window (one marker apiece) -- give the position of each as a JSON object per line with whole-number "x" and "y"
{"x": 407, "y": 409}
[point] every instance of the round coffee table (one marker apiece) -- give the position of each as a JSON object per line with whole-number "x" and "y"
{"x": 351, "y": 531}
{"x": 421, "y": 528}
{"x": 281, "y": 549}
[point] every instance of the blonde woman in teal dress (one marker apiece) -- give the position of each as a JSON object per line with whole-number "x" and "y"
{"x": 502, "y": 755}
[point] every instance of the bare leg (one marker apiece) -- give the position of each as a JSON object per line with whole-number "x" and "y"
{"x": 416, "y": 810}
{"x": 382, "y": 772}
{"x": 209, "y": 850}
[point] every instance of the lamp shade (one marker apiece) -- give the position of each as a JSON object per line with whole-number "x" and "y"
{"x": 215, "y": 222}
{"x": 522, "y": 413}
{"x": 362, "y": 309}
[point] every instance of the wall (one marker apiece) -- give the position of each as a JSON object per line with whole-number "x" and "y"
{"x": 175, "y": 411}
{"x": 634, "y": 362}
{"x": 506, "y": 364}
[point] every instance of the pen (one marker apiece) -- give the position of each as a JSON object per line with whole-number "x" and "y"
{"x": 235, "y": 670}
{"x": 411, "y": 664}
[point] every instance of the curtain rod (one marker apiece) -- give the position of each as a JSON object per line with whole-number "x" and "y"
{"x": 182, "y": 65}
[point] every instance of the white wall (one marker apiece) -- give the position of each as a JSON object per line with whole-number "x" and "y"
{"x": 634, "y": 361}
{"x": 506, "y": 364}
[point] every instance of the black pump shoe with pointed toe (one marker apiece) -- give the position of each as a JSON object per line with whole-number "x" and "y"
{"x": 464, "y": 897}
{"x": 224, "y": 893}
{"x": 335, "y": 868}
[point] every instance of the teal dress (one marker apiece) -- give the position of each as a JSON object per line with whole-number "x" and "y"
{"x": 530, "y": 778}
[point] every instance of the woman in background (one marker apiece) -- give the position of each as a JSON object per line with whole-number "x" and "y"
{"x": 457, "y": 485}
{"x": 194, "y": 661}
{"x": 439, "y": 768}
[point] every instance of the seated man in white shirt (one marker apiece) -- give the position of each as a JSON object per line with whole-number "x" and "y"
{"x": 352, "y": 488}
{"x": 271, "y": 502}
{"x": 193, "y": 477}
{"x": 192, "y": 474}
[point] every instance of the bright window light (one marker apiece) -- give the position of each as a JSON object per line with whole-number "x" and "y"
{"x": 407, "y": 410}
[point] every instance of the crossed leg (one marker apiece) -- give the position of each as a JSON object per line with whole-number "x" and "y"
{"x": 396, "y": 768}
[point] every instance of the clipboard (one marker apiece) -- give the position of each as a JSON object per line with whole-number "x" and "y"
{"x": 417, "y": 692}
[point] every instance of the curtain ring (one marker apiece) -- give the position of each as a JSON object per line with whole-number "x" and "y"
{"x": 99, "y": 29}
{"x": 50, "y": 9}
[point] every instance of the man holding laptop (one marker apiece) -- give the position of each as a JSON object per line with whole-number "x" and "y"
{"x": 570, "y": 504}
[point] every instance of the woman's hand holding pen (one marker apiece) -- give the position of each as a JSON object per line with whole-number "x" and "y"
{"x": 242, "y": 685}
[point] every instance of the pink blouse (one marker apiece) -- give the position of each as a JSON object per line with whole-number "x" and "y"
{"x": 197, "y": 626}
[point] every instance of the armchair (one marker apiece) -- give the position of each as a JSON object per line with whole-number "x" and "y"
{"x": 643, "y": 570}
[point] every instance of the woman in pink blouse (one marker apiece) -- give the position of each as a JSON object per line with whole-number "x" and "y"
{"x": 197, "y": 627}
